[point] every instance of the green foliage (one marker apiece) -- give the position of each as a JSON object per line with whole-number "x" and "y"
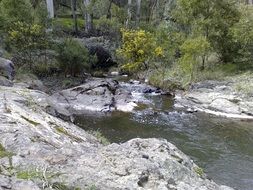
{"x": 138, "y": 49}
{"x": 73, "y": 57}
{"x": 62, "y": 186}
{"x": 103, "y": 140}
{"x": 66, "y": 24}
{"x": 25, "y": 39}
{"x": 212, "y": 19}
{"x": 242, "y": 33}
{"x": 108, "y": 26}
{"x": 4, "y": 153}
{"x": 28, "y": 175}
{"x": 199, "y": 171}
{"x": 16, "y": 10}
{"x": 193, "y": 50}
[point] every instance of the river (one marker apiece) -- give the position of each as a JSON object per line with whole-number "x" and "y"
{"x": 222, "y": 147}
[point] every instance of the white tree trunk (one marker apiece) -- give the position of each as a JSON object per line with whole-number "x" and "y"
{"x": 129, "y": 12}
{"x": 138, "y": 12}
{"x": 50, "y": 8}
{"x": 88, "y": 18}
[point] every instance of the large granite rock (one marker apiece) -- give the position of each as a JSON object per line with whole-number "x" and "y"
{"x": 40, "y": 151}
{"x": 100, "y": 95}
{"x": 7, "y": 68}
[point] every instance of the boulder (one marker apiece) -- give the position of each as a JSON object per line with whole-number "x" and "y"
{"x": 7, "y": 68}
{"x": 96, "y": 95}
{"x": 104, "y": 58}
{"x": 5, "y": 82}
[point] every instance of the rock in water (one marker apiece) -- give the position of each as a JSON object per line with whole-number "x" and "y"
{"x": 7, "y": 68}
{"x": 99, "y": 95}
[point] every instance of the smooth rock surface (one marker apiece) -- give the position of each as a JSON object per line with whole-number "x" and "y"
{"x": 5, "y": 82}
{"x": 217, "y": 98}
{"x": 100, "y": 95}
{"x": 7, "y": 68}
{"x": 56, "y": 153}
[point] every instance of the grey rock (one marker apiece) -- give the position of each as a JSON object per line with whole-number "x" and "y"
{"x": 217, "y": 98}
{"x": 99, "y": 95}
{"x": 29, "y": 81}
{"x": 61, "y": 153}
{"x": 7, "y": 68}
{"x": 5, "y": 82}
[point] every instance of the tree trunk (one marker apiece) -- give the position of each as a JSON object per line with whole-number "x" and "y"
{"x": 153, "y": 8}
{"x": 74, "y": 15}
{"x": 129, "y": 12}
{"x": 88, "y": 17}
{"x": 138, "y": 12}
{"x": 109, "y": 14}
{"x": 50, "y": 8}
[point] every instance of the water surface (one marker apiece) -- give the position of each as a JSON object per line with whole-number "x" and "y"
{"x": 222, "y": 147}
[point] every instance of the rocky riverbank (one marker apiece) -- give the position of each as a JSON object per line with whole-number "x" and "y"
{"x": 41, "y": 151}
{"x": 232, "y": 98}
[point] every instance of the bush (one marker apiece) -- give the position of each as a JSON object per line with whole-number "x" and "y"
{"x": 193, "y": 50}
{"x": 138, "y": 50}
{"x": 62, "y": 25}
{"x": 108, "y": 26}
{"x": 26, "y": 40}
{"x": 242, "y": 33}
{"x": 73, "y": 57}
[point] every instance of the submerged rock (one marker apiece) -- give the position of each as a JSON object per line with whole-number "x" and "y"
{"x": 46, "y": 153}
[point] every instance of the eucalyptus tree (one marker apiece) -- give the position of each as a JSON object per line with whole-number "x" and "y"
{"x": 50, "y": 8}
{"x": 129, "y": 12}
{"x": 74, "y": 15}
{"x": 138, "y": 12}
{"x": 88, "y": 16}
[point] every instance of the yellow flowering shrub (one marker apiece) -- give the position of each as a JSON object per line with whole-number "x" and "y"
{"x": 23, "y": 35}
{"x": 138, "y": 49}
{"x": 27, "y": 38}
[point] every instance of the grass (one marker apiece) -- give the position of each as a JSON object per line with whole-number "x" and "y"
{"x": 199, "y": 171}
{"x": 62, "y": 186}
{"x": 103, "y": 140}
{"x": 4, "y": 153}
{"x": 243, "y": 83}
{"x": 65, "y": 132}
{"x": 171, "y": 78}
{"x": 30, "y": 121}
{"x": 68, "y": 23}
{"x": 26, "y": 175}
{"x": 92, "y": 187}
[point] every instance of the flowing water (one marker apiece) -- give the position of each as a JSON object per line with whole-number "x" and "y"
{"x": 222, "y": 147}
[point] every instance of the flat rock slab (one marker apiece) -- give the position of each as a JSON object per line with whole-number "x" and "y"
{"x": 217, "y": 98}
{"x": 99, "y": 95}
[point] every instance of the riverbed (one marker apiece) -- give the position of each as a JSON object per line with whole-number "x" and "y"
{"x": 222, "y": 147}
